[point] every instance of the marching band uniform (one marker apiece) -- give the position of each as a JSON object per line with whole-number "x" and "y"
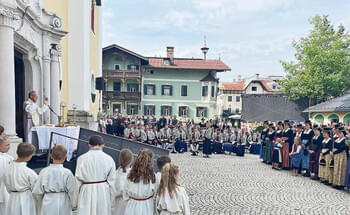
{"x": 150, "y": 136}
{"x": 196, "y": 138}
{"x": 207, "y": 141}
{"x": 143, "y": 136}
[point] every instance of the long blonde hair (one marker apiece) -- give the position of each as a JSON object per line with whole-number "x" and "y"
{"x": 143, "y": 168}
{"x": 168, "y": 181}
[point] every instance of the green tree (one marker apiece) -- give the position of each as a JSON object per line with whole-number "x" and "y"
{"x": 322, "y": 66}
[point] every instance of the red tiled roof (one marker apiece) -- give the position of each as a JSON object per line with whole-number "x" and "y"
{"x": 189, "y": 63}
{"x": 233, "y": 86}
{"x": 265, "y": 83}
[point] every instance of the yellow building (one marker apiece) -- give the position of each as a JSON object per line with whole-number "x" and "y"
{"x": 81, "y": 57}
{"x": 333, "y": 110}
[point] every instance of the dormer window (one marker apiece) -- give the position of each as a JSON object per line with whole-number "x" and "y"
{"x": 166, "y": 62}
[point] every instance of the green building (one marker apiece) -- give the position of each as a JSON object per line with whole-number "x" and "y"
{"x": 182, "y": 87}
{"x": 122, "y": 75}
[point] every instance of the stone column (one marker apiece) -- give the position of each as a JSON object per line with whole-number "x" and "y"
{"x": 7, "y": 71}
{"x": 55, "y": 53}
{"x": 46, "y": 77}
{"x": 7, "y": 77}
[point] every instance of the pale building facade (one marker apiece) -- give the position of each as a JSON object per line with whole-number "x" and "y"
{"x": 81, "y": 58}
{"x": 230, "y": 93}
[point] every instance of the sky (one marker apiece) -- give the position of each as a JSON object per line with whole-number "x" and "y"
{"x": 250, "y": 36}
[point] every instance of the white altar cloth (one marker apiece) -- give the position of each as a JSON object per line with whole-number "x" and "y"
{"x": 44, "y": 134}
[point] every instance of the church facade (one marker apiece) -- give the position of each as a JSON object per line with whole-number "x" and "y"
{"x": 30, "y": 46}
{"x": 37, "y": 53}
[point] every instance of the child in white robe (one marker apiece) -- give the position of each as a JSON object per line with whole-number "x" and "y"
{"x": 171, "y": 197}
{"x": 140, "y": 186}
{"x": 5, "y": 161}
{"x": 125, "y": 161}
{"x": 54, "y": 187}
{"x": 161, "y": 161}
{"x": 95, "y": 180}
{"x": 19, "y": 181}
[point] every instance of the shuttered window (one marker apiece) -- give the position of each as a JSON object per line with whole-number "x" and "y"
{"x": 167, "y": 90}
{"x": 183, "y": 90}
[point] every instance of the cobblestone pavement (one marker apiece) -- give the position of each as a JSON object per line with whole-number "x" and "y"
{"x": 227, "y": 184}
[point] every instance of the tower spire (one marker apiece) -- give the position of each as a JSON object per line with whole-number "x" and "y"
{"x": 205, "y": 49}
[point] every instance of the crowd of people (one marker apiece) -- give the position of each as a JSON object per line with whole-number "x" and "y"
{"x": 318, "y": 152}
{"x": 97, "y": 186}
{"x": 211, "y": 136}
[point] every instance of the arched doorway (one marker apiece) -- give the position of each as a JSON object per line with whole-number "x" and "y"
{"x": 20, "y": 91}
{"x": 346, "y": 119}
{"x": 319, "y": 119}
{"x": 333, "y": 118}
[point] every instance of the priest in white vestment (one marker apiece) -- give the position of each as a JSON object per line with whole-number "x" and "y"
{"x": 95, "y": 180}
{"x": 5, "y": 161}
{"x": 32, "y": 114}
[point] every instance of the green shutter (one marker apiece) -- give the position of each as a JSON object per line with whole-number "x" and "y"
{"x": 162, "y": 90}
{"x": 154, "y": 110}
{"x": 179, "y": 111}
{"x": 144, "y": 110}
{"x": 144, "y": 89}
{"x": 136, "y": 109}
{"x": 205, "y": 112}
{"x": 162, "y": 110}
{"x": 197, "y": 112}
{"x": 154, "y": 89}
{"x": 170, "y": 111}
{"x": 171, "y": 90}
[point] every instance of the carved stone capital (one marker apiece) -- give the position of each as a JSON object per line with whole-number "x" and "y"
{"x": 55, "y": 52}
{"x": 9, "y": 13}
{"x": 7, "y": 16}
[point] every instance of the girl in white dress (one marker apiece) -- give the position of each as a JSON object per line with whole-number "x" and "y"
{"x": 171, "y": 197}
{"x": 139, "y": 189}
{"x": 125, "y": 161}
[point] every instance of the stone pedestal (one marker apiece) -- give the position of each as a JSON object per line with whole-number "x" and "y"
{"x": 83, "y": 118}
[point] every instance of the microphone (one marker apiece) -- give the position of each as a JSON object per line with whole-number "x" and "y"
{"x": 52, "y": 110}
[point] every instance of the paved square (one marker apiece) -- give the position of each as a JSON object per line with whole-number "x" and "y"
{"x": 227, "y": 184}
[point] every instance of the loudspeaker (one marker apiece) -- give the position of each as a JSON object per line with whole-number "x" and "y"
{"x": 100, "y": 83}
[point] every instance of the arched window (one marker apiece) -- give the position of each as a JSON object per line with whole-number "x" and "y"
{"x": 333, "y": 118}
{"x": 319, "y": 119}
{"x": 346, "y": 119}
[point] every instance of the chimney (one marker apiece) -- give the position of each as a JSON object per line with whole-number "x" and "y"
{"x": 239, "y": 78}
{"x": 257, "y": 76}
{"x": 234, "y": 80}
{"x": 170, "y": 54}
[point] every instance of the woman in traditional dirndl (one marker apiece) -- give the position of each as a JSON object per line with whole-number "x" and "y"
{"x": 323, "y": 169}
{"x": 339, "y": 155}
{"x": 295, "y": 156}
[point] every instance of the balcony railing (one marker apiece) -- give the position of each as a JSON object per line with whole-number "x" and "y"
{"x": 127, "y": 74}
{"x": 121, "y": 95}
